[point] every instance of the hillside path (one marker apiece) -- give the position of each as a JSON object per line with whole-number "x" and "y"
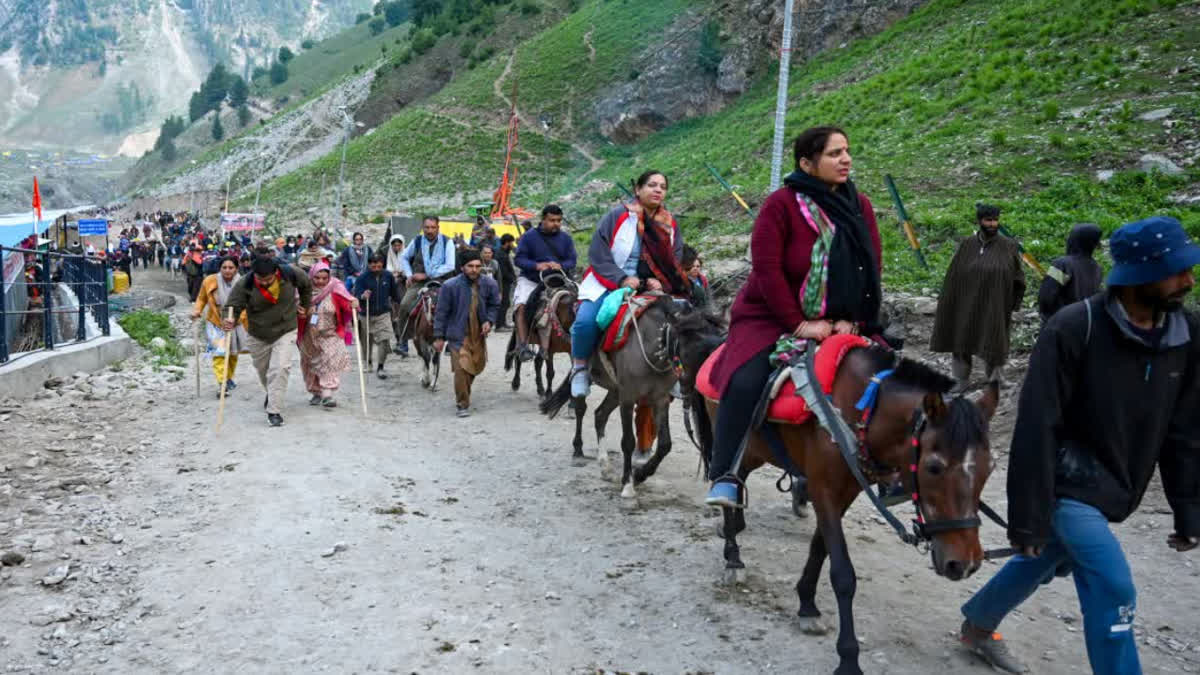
{"x": 498, "y": 89}
{"x": 415, "y": 542}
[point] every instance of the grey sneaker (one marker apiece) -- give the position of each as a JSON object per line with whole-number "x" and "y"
{"x": 990, "y": 647}
{"x": 581, "y": 382}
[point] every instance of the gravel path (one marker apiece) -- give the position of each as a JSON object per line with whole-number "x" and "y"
{"x": 416, "y": 542}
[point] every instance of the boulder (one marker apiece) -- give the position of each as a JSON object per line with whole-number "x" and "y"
{"x": 1151, "y": 162}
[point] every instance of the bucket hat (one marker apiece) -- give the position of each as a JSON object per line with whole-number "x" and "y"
{"x": 1150, "y": 250}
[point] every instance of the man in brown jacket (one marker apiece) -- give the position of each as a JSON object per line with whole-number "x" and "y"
{"x": 269, "y": 296}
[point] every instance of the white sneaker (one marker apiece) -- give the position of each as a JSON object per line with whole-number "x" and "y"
{"x": 581, "y": 382}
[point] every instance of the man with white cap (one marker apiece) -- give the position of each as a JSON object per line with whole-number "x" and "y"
{"x": 1112, "y": 391}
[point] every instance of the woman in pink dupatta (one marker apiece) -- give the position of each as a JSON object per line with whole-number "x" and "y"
{"x": 324, "y": 336}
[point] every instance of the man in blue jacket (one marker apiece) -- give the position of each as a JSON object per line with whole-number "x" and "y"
{"x": 1113, "y": 390}
{"x": 376, "y": 291}
{"x": 542, "y": 249}
{"x": 466, "y": 311}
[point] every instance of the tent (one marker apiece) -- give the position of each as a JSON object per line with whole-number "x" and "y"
{"x": 17, "y": 226}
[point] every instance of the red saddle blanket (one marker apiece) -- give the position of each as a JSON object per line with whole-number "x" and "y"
{"x": 617, "y": 333}
{"x": 787, "y": 408}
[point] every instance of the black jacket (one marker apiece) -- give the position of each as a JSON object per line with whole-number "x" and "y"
{"x": 1072, "y": 277}
{"x": 1097, "y": 412}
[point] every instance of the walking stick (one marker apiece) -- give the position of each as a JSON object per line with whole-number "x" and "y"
{"x": 225, "y": 374}
{"x": 199, "y": 326}
{"x": 362, "y": 384}
{"x": 367, "y": 346}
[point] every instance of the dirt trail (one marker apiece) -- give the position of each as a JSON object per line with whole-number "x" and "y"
{"x": 467, "y": 546}
{"x": 498, "y": 89}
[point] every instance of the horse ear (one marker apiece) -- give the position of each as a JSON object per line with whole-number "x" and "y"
{"x": 935, "y": 408}
{"x": 989, "y": 401}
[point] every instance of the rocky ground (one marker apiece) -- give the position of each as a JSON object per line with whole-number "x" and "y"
{"x": 137, "y": 538}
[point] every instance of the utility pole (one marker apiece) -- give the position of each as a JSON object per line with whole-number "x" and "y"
{"x": 342, "y": 171}
{"x": 785, "y": 58}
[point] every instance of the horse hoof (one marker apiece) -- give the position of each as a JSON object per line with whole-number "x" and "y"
{"x": 812, "y": 625}
{"x": 642, "y": 457}
{"x": 733, "y": 576}
{"x": 516, "y": 387}
{"x": 579, "y": 460}
{"x": 628, "y": 492}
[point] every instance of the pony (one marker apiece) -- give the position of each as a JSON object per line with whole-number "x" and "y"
{"x": 641, "y": 375}
{"x": 554, "y": 336}
{"x": 420, "y": 331}
{"x": 939, "y": 450}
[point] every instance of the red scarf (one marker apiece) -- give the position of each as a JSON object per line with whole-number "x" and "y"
{"x": 658, "y": 250}
{"x": 267, "y": 294}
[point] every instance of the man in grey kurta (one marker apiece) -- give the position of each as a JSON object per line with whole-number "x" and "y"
{"x": 983, "y": 287}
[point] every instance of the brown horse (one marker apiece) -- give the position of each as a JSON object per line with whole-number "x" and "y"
{"x": 553, "y": 336}
{"x": 940, "y": 451}
{"x": 420, "y": 331}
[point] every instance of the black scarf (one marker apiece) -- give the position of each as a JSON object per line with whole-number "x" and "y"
{"x": 854, "y": 290}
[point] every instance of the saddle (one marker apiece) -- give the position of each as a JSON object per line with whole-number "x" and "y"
{"x": 787, "y": 406}
{"x": 617, "y": 333}
{"x": 426, "y": 301}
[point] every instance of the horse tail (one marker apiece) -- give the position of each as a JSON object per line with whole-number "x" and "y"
{"x": 557, "y": 400}
{"x": 510, "y": 355}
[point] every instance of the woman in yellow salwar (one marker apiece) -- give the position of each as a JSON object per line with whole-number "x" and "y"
{"x": 214, "y": 292}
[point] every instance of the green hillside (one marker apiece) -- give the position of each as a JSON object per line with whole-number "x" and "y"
{"x": 1018, "y": 103}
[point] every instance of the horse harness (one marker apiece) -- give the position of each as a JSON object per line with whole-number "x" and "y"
{"x": 856, "y": 453}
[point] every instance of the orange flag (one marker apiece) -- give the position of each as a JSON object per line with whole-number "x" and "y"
{"x": 37, "y": 199}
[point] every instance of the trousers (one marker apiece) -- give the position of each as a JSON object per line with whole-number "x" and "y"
{"x": 273, "y": 363}
{"x": 585, "y": 332}
{"x": 218, "y": 366}
{"x": 463, "y": 380}
{"x": 1084, "y": 547}
{"x": 381, "y": 338}
{"x": 736, "y": 408}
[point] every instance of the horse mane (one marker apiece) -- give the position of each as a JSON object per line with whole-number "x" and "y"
{"x": 964, "y": 425}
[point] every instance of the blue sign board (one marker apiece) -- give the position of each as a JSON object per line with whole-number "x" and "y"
{"x": 93, "y": 227}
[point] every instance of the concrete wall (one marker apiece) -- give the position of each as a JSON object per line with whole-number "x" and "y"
{"x": 24, "y": 376}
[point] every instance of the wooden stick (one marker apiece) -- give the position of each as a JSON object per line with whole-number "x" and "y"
{"x": 362, "y": 384}
{"x": 199, "y": 332}
{"x": 225, "y": 375}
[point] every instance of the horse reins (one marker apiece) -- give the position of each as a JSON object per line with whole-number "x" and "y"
{"x": 922, "y": 530}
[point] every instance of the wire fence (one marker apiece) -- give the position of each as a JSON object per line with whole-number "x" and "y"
{"x": 50, "y": 300}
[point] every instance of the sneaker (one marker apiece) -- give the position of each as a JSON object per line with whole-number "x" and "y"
{"x": 581, "y": 382}
{"x": 990, "y": 647}
{"x": 231, "y": 384}
{"x": 315, "y": 400}
{"x": 723, "y": 493}
{"x": 275, "y": 419}
{"x": 380, "y": 374}
{"x": 328, "y": 402}
{"x": 462, "y": 412}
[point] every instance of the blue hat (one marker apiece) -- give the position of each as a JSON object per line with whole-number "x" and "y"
{"x": 1149, "y": 251}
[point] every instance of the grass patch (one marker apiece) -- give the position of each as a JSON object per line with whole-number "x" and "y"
{"x": 144, "y": 326}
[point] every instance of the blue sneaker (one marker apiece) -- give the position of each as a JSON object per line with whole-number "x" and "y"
{"x": 723, "y": 493}
{"x": 581, "y": 382}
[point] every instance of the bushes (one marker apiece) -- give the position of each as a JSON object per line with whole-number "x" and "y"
{"x": 279, "y": 73}
{"x": 377, "y": 25}
{"x": 144, "y": 325}
{"x": 423, "y": 41}
{"x": 710, "y": 54}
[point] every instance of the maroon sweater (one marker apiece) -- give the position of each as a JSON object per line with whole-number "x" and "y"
{"x": 769, "y": 303}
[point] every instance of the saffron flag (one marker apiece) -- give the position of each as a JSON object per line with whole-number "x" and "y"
{"x": 37, "y": 200}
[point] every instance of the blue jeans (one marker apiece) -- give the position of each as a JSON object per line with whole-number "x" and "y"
{"x": 1083, "y": 545}
{"x": 585, "y": 332}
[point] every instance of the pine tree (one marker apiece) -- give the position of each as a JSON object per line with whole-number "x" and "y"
{"x": 243, "y": 113}
{"x": 169, "y": 152}
{"x": 239, "y": 91}
{"x": 218, "y": 132}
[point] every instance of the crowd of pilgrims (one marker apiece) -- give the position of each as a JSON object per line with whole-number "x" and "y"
{"x": 816, "y": 267}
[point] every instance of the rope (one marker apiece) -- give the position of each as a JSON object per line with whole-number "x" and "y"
{"x": 642, "y": 344}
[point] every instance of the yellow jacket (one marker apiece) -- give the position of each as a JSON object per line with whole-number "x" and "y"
{"x": 207, "y": 297}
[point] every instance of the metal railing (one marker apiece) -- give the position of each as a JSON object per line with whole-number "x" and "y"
{"x": 47, "y": 299}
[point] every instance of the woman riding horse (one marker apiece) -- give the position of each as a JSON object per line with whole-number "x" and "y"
{"x": 815, "y": 270}
{"x": 636, "y": 246}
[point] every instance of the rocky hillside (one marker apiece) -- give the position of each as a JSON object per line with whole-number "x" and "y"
{"x": 1059, "y": 111}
